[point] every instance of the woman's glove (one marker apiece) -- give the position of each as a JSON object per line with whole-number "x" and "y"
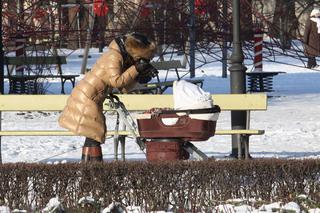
{"x": 146, "y": 71}
{"x": 141, "y": 65}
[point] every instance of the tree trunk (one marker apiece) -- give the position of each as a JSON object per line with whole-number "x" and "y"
{"x": 285, "y": 22}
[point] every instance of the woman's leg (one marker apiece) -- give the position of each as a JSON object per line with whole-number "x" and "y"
{"x": 91, "y": 151}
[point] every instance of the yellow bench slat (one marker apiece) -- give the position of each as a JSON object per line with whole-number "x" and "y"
{"x": 240, "y": 131}
{"x": 109, "y": 133}
{"x": 132, "y": 102}
{"x": 225, "y": 101}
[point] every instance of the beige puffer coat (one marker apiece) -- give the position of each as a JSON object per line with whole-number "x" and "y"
{"x": 83, "y": 114}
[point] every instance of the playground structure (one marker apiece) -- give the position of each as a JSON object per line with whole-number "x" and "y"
{"x": 47, "y": 27}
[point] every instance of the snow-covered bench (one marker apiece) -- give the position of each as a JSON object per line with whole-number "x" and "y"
{"x": 172, "y": 65}
{"x": 26, "y": 84}
{"x": 161, "y": 87}
{"x": 227, "y": 102}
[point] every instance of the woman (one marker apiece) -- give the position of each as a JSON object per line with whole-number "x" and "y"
{"x": 312, "y": 38}
{"x": 124, "y": 64}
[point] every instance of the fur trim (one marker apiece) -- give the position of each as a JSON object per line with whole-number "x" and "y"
{"x": 138, "y": 49}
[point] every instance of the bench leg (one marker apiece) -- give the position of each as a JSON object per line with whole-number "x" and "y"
{"x": 62, "y": 85}
{"x": 245, "y": 142}
{"x": 120, "y": 138}
{"x": 116, "y": 139}
{"x": 73, "y": 81}
{"x": 115, "y": 146}
{"x": 123, "y": 147}
{"x": 63, "y": 81}
{"x": 10, "y": 86}
{"x": 246, "y": 147}
{"x": 239, "y": 146}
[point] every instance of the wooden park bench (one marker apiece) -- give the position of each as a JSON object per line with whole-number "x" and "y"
{"x": 27, "y": 83}
{"x": 227, "y": 102}
{"x": 161, "y": 87}
{"x": 168, "y": 66}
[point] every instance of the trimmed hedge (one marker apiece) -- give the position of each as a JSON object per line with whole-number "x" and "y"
{"x": 190, "y": 185}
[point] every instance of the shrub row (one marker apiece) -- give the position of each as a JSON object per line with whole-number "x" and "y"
{"x": 190, "y": 185}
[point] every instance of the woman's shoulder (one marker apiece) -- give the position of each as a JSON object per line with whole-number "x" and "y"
{"x": 112, "y": 50}
{"x": 113, "y": 46}
{"x": 111, "y": 55}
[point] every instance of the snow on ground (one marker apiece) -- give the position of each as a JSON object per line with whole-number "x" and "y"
{"x": 291, "y": 123}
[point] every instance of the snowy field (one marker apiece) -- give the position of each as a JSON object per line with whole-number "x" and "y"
{"x": 291, "y": 123}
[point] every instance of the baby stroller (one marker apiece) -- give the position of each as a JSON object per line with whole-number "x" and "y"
{"x": 166, "y": 134}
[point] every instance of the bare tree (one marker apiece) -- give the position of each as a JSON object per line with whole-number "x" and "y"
{"x": 285, "y": 22}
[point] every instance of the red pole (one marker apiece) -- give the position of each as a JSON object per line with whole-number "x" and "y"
{"x": 258, "y": 49}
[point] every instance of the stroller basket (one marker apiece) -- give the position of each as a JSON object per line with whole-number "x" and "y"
{"x": 184, "y": 127}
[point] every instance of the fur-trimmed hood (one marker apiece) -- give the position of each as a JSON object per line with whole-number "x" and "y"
{"x": 139, "y": 46}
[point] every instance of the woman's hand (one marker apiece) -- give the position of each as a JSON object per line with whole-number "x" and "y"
{"x": 146, "y": 71}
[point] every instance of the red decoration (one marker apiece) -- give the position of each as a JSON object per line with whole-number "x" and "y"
{"x": 199, "y": 7}
{"x": 39, "y": 13}
{"x": 100, "y": 8}
{"x": 145, "y": 11}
